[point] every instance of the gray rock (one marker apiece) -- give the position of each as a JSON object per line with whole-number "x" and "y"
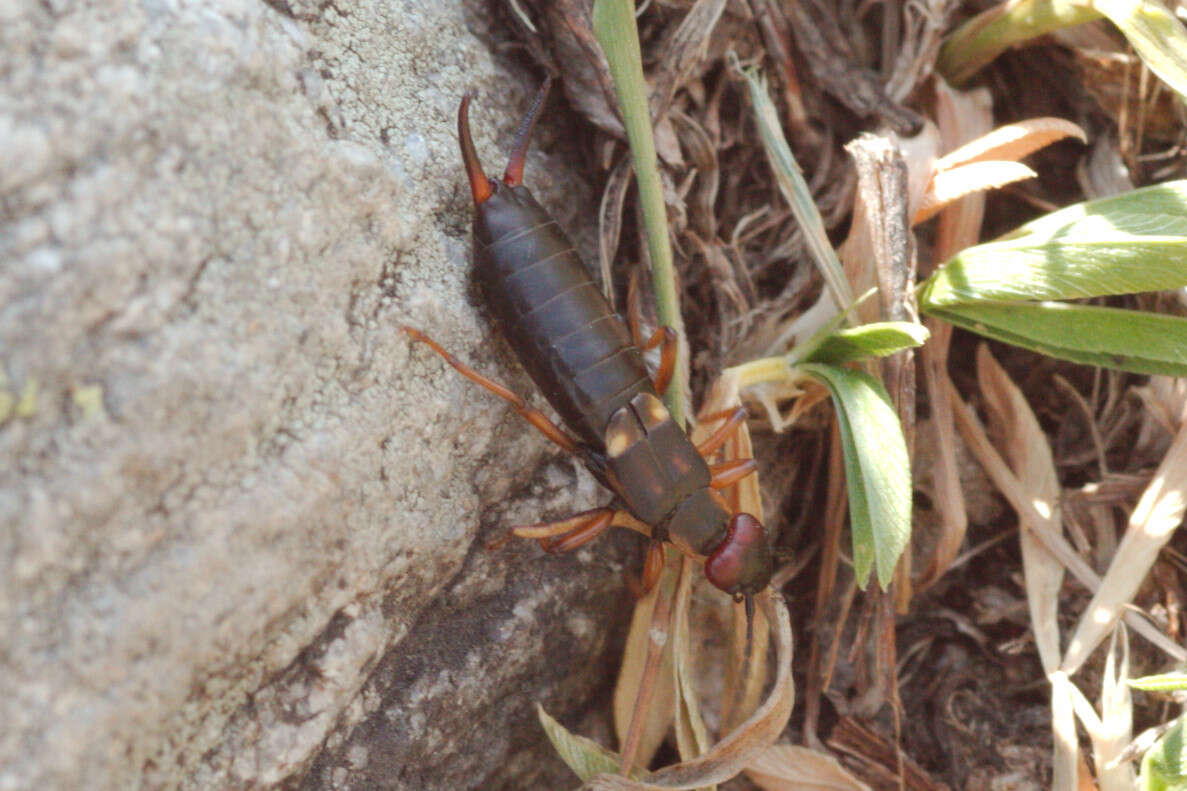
{"x": 238, "y": 512}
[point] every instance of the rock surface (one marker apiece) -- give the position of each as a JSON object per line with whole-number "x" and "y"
{"x": 240, "y": 517}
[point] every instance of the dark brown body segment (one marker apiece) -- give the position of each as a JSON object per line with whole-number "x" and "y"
{"x": 576, "y": 349}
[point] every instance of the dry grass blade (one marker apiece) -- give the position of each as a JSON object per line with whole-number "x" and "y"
{"x": 1029, "y": 455}
{"x": 640, "y": 639}
{"x": 1006, "y": 482}
{"x": 732, "y": 754}
{"x": 692, "y": 737}
{"x": 786, "y": 767}
{"x": 1158, "y": 513}
{"x": 1116, "y": 714}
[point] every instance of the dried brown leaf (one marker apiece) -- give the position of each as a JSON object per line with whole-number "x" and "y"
{"x": 1011, "y": 142}
{"x": 787, "y": 767}
{"x": 950, "y": 185}
{"x": 730, "y": 755}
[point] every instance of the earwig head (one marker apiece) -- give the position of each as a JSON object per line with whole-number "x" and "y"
{"x": 741, "y": 564}
{"x": 482, "y": 187}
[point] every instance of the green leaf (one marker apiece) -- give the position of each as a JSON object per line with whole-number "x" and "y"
{"x": 869, "y": 340}
{"x": 990, "y": 33}
{"x": 584, "y": 756}
{"x": 1127, "y": 340}
{"x": 1121, "y": 245}
{"x": 1163, "y": 764}
{"x": 877, "y": 469}
{"x": 1155, "y": 34}
{"x": 1165, "y": 682}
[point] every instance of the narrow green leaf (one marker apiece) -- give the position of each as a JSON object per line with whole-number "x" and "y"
{"x": 1127, "y": 340}
{"x": 795, "y": 190}
{"x": 1165, "y": 682}
{"x": 1155, "y": 34}
{"x": 877, "y": 469}
{"x": 614, "y": 25}
{"x": 584, "y": 756}
{"x": 1163, "y": 766}
{"x": 869, "y": 340}
{"x": 1121, "y": 245}
{"x": 990, "y": 33}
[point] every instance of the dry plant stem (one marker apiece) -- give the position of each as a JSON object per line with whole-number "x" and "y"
{"x": 820, "y": 667}
{"x": 954, "y": 519}
{"x": 999, "y": 472}
{"x": 659, "y": 633}
{"x": 882, "y": 185}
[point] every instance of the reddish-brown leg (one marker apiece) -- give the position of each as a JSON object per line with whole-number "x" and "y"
{"x": 664, "y": 335}
{"x": 667, "y": 357}
{"x": 594, "y": 525}
{"x": 533, "y": 416}
{"x": 733, "y": 419}
{"x": 727, "y": 473}
{"x": 561, "y": 526}
{"x": 653, "y": 566}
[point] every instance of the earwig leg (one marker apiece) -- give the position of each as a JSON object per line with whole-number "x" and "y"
{"x": 562, "y": 526}
{"x": 733, "y": 419}
{"x": 653, "y": 567}
{"x": 533, "y": 416}
{"x": 727, "y": 473}
{"x": 667, "y": 360}
{"x": 634, "y": 309}
{"x": 664, "y": 335}
{"x": 591, "y": 529}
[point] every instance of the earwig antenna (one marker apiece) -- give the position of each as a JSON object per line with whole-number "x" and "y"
{"x": 749, "y": 601}
{"x": 513, "y": 176}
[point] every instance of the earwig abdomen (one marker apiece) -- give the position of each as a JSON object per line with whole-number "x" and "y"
{"x": 578, "y": 352}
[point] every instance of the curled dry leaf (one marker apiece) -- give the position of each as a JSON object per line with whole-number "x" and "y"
{"x": 990, "y": 161}
{"x": 734, "y": 752}
{"x": 1011, "y": 142}
{"x": 787, "y": 767}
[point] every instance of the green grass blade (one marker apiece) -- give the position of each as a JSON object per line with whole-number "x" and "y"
{"x": 1121, "y": 245}
{"x": 1165, "y": 682}
{"x": 877, "y": 469}
{"x": 1127, "y": 340}
{"x": 796, "y": 191}
{"x": 1155, "y": 34}
{"x": 614, "y": 25}
{"x": 584, "y": 756}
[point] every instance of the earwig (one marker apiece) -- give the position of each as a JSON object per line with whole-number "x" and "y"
{"x": 583, "y": 358}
